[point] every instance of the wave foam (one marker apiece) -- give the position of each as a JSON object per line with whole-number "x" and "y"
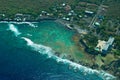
{"x": 47, "y": 50}
{"x": 14, "y": 29}
{"x": 38, "y": 47}
{"x": 29, "y": 23}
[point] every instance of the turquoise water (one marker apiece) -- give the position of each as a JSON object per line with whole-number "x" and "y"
{"x": 52, "y": 34}
{"x": 27, "y": 53}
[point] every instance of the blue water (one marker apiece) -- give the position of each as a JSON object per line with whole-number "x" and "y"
{"x": 20, "y": 60}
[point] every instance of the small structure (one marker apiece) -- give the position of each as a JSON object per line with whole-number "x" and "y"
{"x": 63, "y": 4}
{"x": 97, "y": 24}
{"x": 103, "y": 46}
{"x": 22, "y": 17}
{"x": 44, "y": 13}
{"x": 100, "y": 45}
{"x": 18, "y": 17}
{"x": 2, "y": 16}
{"x": 67, "y": 8}
{"x": 26, "y": 17}
{"x": 67, "y": 19}
{"x": 89, "y": 13}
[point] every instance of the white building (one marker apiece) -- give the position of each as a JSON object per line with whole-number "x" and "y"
{"x": 103, "y": 46}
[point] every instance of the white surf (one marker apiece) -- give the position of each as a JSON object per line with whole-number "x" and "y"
{"x": 47, "y": 50}
{"x": 31, "y": 24}
{"x": 14, "y": 29}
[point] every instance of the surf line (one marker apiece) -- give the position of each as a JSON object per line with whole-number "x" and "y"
{"x": 47, "y": 50}
{"x": 14, "y": 29}
{"x": 31, "y": 24}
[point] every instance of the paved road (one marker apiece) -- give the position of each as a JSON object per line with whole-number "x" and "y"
{"x": 96, "y": 16}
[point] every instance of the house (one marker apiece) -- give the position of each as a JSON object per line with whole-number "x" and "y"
{"x": 18, "y": 17}
{"x": 67, "y": 8}
{"x": 103, "y": 46}
{"x": 63, "y": 4}
{"x": 97, "y": 24}
{"x": 89, "y": 13}
{"x": 22, "y": 17}
{"x": 26, "y": 17}
{"x": 100, "y": 45}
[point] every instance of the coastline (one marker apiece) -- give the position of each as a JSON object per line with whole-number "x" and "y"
{"x": 80, "y": 62}
{"x": 72, "y": 65}
{"x": 34, "y": 20}
{"x": 91, "y": 65}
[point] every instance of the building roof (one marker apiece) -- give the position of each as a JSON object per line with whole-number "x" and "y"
{"x": 100, "y": 45}
{"x": 97, "y": 23}
{"x": 90, "y": 12}
{"x": 104, "y": 45}
{"x": 110, "y": 41}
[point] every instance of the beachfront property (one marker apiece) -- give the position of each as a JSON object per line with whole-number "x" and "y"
{"x": 103, "y": 46}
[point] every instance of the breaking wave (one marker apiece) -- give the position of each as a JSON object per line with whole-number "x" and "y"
{"x": 14, "y": 29}
{"x": 50, "y": 53}
{"x": 29, "y": 23}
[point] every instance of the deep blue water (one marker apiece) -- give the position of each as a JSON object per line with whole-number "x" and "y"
{"x": 18, "y": 61}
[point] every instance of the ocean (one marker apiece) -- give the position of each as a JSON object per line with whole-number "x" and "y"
{"x": 27, "y": 53}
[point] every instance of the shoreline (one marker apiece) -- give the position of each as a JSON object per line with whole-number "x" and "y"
{"x": 37, "y": 20}
{"x": 86, "y": 70}
{"x": 71, "y": 26}
{"x": 80, "y": 62}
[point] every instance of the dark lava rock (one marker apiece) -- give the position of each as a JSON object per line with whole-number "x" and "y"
{"x": 94, "y": 66}
{"x": 57, "y": 54}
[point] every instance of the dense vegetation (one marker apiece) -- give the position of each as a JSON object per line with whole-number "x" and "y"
{"x": 113, "y": 9}
{"x": 34, "y": 7}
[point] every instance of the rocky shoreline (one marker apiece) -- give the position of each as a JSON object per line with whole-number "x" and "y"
{"x": 111, "y": 68}
{"x": 34, "y": 20}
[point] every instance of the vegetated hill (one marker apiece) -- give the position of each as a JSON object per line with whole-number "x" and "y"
{"x": 113, "y": 9}
{"x": 34, "y": 7}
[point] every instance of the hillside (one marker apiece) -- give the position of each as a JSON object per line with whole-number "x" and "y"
{"x": 34, "y": 7}
{"x": 113, "y": 9}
